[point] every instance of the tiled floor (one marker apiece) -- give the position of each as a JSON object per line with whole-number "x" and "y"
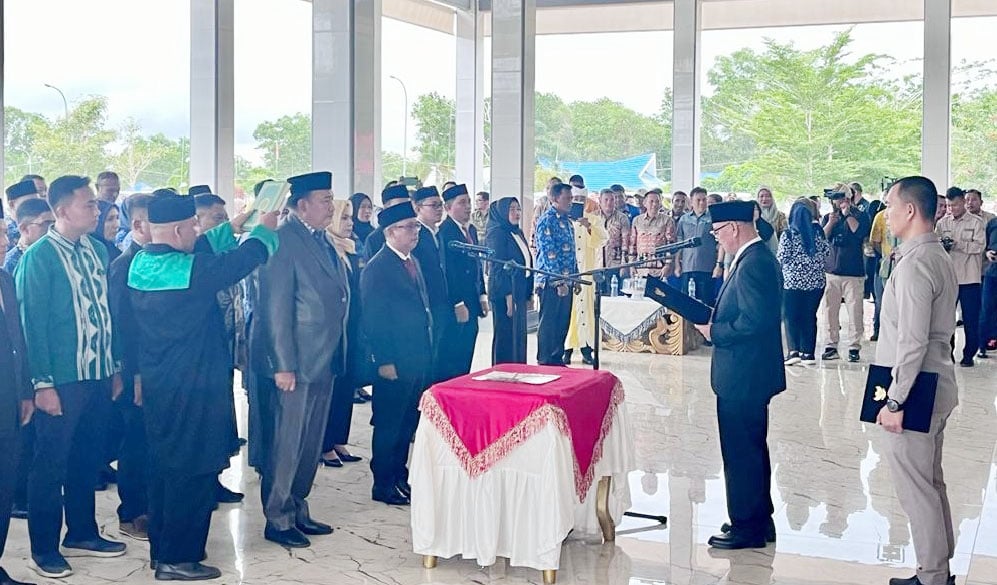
{"x": 837, "y": 517}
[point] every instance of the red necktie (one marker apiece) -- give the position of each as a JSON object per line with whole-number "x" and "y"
{"x": 411, "y": 269}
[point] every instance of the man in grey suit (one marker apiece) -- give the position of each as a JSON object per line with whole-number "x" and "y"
{"x": 300, "y": 345}
{"x": 917, "y": 321}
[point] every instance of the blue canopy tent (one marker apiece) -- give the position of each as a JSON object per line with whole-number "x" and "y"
{"x": 636, "y": 172}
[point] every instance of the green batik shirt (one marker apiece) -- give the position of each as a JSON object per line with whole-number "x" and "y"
{"x": 62, "y": 290}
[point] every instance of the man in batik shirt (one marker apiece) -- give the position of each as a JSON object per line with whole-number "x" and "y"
{"x": 650, "y": 230}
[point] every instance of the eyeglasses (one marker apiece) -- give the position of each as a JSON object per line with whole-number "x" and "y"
{"x": 716, "y": 231}
{"x": 410, "y": 227}
{"x": 434, "y": 205}
{"x": 44, "y": 224}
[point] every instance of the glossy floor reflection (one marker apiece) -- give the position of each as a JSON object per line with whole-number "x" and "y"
{"x": 837, "y": 518}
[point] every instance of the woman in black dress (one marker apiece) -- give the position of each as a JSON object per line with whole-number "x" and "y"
{"x": 337, "y": 430}
{"x": 510, "y": 292}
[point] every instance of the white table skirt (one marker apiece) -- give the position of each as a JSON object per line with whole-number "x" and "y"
{"x": 522, "y": 508}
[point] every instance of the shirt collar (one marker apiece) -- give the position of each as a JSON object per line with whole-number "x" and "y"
{"x": 744, "y": 246}
{"x": 62, "y": 240}
{"x": 906, "y": 246}
{"x": 404, "y": 257}
{"x": 432, "y": 229}
{"x": 311, "y": 229}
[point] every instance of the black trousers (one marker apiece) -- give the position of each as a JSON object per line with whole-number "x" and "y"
{"x": 988, "y": 315}
{"x": 69, "y": 450}
{"x": 871, "y": 271}
{"x": 507, "y": 347}
{"x": 337, "y": 428}
{"x": 747, "y": 469}
{"x": 179, "y": 516}
{"x": 970, "y": 301}
{"x": 457, "y": 347}
{"x": 555, "y": 316}
{"x": 396, "y": 415}
{"x": 260, "y": 413}
{"x": 800, "y": 310}
{"x": 25, "y": 457}
{"x": 8, "y": 479}
{"x": 133, "y": 456}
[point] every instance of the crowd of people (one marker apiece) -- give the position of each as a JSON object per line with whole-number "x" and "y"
{"x": 125, "y": 318}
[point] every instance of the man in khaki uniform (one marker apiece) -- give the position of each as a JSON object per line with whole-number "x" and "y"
{"x": 965, "y": 237}
{"x": 917, "y": 323}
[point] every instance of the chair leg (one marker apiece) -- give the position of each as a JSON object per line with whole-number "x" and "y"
{"x": 550, "y": 576}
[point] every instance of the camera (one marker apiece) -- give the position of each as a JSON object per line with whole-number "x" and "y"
{"x": 947, "y": 243}
{"x": 834, "y": 195}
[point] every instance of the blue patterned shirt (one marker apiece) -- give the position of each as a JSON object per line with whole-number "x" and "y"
{"x": 13, "y": 234}
{"x": 555, "y": 240}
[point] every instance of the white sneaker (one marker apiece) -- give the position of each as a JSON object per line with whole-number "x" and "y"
{"x": 793, "y": 358}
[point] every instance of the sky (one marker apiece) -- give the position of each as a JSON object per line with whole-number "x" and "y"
{"x": 136, "y": 53}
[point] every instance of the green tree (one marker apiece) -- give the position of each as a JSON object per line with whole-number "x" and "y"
{"x": 800, "y": 120}
{"x": 286, "y": 145}
{"x": 436, "y": 119}
{"x": 21, "y": 131}
{"x": 974, "y": 126}
{"x": 77, "y": 144}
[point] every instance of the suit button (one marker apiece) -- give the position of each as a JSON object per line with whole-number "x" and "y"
{"x": 342, "y": 300}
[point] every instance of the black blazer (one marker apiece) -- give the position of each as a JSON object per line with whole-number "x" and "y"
{"x": 14, "y": 383}
{"x": 396, "y": 316}
{"x": 500, "y": 280}
{"x": 747, "y": 330}
{"x": 300, "y": 319}
{"x": 431, "y": 262}
{"x": 465, "y": 279}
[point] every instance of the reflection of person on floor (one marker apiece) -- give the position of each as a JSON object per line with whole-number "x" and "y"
{"x": 916, "y": 324}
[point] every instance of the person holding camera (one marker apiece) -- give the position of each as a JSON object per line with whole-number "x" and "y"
{"x": 964, "y": 237}
{"x": 846, "y": 226}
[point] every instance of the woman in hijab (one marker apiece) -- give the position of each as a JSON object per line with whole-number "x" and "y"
{"x": 363, "y": 209}
{"x": 510, "y": 292}
{"x": 107, "y": 228}
{"x": 337, "y": 431}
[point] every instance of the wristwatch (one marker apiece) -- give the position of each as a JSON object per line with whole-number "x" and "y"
{"x": 893, "y": 406}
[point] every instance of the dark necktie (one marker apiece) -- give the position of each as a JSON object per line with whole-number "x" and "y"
{"x": 411, "y": 269}
{"x": 329, "y": 249}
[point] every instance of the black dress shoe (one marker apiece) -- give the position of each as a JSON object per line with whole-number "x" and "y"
{"x": 290, "y": 538}
{"x": 223, "y": 495}
{"x": 335, "y": 462}
{"x": 736, "y": 540}
{"x": 19, "y": 511}
{"x": 404, "y": 488}
{"x": 313, "y": 528}
{"x": 6, "y": 580}
{"x": 347, "y": 457}
{"x": 769, "y": 533}
{"x": 390, "y": 496}
{"x": 566, "y": 358}
{"x": 186, "y": 572}
{"x": 915, "y": 581}
{"x": 367, "y": 396}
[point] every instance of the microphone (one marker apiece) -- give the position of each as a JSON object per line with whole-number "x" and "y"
{"x": 471, "y": 249}
{"x": 669, "y": 248}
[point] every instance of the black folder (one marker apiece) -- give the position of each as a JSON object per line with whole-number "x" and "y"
{"x": 672, "y": 298}
{"x": 918, "y": 407}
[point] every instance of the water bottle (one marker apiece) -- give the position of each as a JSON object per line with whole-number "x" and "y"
{"x": 614, "y": 287}
{"x": 692, "y": 288}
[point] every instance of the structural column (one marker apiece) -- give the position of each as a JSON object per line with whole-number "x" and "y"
{"x": 3, "y": 130}
{"x": 346, "y": 93}
{"x": 470, "y": 131}
{"x": 212, "y": 96}
{"x": 686, "y": 94}
{"x": 512, "y": 110}
{"x": 937, "y": 92}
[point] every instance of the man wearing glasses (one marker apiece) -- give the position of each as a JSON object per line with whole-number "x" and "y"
{"x": 429, "y": 211}
{"x": 17, "y": 194}
{"x": 34, "y": 217}
{"x": 399, "y": 327}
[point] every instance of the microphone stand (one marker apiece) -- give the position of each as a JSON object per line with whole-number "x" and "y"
{"x": 599, "y": 276}
{"x": 511, "y": 265}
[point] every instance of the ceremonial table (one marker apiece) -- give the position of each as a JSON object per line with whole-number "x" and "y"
{"x": 640, "y": 325}
{"x": 508, "y": 469}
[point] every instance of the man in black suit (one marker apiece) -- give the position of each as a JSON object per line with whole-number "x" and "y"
{"x": 398, "y": 324}
{"x": 465, "y": 283}
{"x": 747, "y": 371}
{"x": 301, "y": 347}
{"x": 432, "y": 262}
{"x": 16, "y": 397}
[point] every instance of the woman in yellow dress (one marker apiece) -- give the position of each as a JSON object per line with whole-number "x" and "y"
{"x": 590, "y": 237}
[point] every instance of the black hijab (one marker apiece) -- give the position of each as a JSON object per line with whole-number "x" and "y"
{"x": 361, "y": 229}
{"x": 498, "y": 217}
